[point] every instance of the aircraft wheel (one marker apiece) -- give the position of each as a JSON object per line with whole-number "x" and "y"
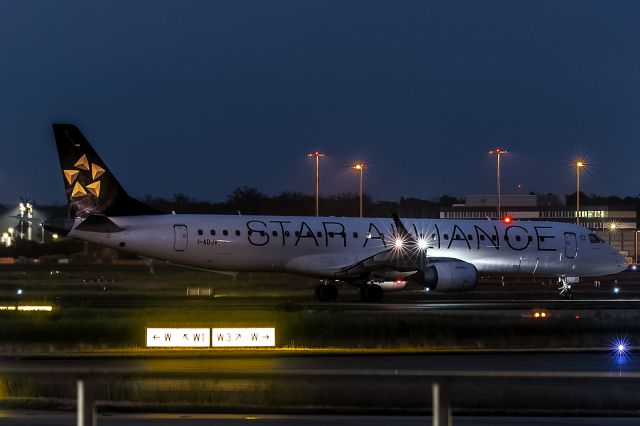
{"x": 327, "y": 293}
{"x": 373, "y": 293}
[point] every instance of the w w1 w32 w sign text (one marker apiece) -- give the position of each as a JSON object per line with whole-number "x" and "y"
{"x": 210, "y": 337}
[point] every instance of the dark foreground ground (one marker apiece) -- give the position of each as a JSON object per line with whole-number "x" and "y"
{"x": 100, "y": 313}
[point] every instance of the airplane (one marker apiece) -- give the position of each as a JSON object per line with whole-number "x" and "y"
{"x": 375, "y": 254}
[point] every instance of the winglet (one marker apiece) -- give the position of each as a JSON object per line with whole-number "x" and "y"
{"x": 402, "y": 231}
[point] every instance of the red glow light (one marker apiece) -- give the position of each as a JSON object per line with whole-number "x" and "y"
{"x": 507, "y": 220}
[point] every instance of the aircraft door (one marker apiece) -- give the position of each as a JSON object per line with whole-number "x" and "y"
{"x": 570, "y": 245}
{"x": 180, "y": 237}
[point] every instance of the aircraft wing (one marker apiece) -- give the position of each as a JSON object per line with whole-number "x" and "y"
{"x": 392, "y": 258}
{"x": 402, "y": 254}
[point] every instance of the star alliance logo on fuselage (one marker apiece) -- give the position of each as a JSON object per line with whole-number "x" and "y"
{"x": 72, "y": 176}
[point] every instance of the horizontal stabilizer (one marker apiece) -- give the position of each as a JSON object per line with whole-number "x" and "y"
{"x": 98, "y": 223}
{"x": 61, "y": 227}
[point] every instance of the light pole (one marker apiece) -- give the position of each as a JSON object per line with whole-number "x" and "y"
{"x": 359, "y": 167}
{"x": 317, "y": 155}
{"x": 579, "y": 165}
{"x": 636, "y": 247}
{"x": 23, "y": 210}
{"x": 498, "y": 152}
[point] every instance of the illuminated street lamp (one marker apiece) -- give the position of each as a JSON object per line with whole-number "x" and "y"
{"x": 317, "y": 155}
{"x": 498, "y": 152}
{"x": 579, "y": 165}
{"x": 612, "y": 228}
{"x": 359, "y": 167}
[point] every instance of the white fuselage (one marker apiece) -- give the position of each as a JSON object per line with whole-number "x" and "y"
{"x": 324, "y": 246}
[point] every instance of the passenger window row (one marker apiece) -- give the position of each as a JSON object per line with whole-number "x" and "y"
{"x": 275, "y": 233}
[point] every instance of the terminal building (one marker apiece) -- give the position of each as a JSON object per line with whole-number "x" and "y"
{"x": 617, "y": 225}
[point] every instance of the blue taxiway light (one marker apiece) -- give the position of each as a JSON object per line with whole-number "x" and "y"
{"x": 621, "y": 346}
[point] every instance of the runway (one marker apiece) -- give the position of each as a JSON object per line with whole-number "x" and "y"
{"x": 307, "y": 304}
{"x": 273, "y": 362}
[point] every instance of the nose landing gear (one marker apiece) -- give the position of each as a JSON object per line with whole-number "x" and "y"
{"x": 564, "y": 285}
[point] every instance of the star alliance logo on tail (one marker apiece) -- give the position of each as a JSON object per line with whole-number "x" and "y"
{"x": 72, "y": 175}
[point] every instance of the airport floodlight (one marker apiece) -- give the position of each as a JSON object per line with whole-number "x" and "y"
{"x": 498, "y": 152}
{"x": 317, "y": 155}
{"x": 579, "y": 164}
{"x": 359, "y": 167}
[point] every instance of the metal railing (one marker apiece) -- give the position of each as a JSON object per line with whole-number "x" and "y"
{"x": 439, "y": 381}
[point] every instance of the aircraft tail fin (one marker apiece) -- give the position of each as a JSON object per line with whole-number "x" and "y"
{"x": 91, "y": 188}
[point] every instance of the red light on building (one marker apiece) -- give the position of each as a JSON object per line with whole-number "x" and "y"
{"x": 507, "y": 220}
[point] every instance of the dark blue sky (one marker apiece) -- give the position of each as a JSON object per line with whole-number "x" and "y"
{"x": 201, "y": 97}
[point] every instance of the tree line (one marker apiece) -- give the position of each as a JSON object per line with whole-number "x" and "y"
{"x": 250, "y": 201}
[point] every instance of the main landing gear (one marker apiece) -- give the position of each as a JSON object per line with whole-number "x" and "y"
{"x": 369, "y": 292}
{"x": 564, "y": 285}
{"x": 327, "y": 292}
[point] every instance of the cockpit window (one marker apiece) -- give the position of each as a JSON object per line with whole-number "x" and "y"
{"x": 595, "y": 239}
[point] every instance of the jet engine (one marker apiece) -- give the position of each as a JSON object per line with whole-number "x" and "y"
{"x": 450, "y": 276}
